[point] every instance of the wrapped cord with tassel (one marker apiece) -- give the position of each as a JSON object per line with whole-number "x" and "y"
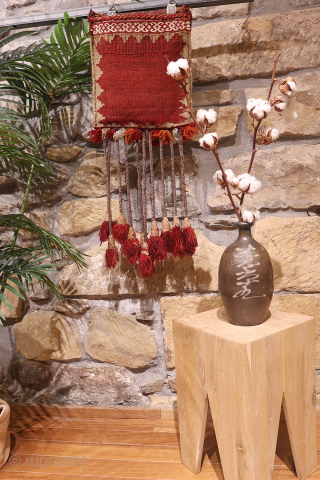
{"x": 112, "y": 255}
{"x": 121, "y": 228}
{"x": 190, "y": 241}
{"x": 131, "y": 247}
{"x": 156, "y": 245}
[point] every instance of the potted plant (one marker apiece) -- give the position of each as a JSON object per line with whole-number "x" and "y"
{"x": 31, "y": 78}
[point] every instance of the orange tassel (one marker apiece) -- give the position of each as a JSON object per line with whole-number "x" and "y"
{"x": 189, "y": 131}
{"x": 132, "y": 135}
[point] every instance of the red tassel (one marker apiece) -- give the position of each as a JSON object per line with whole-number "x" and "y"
{"x": 156, "y": 246}
{"x": 146, "y": 267}
{"x": 112, "y": 255}
{"x": 104, "y": 231}
{"x": 190, "y": 241}
{"x": 132, "y": 250}
{"x": 166, "y": 237}
{"x": 120, "y": 232}
{"x": 157, "y": 249}
{"x": 177, "y": 240}
{"x": 95, "y": 135}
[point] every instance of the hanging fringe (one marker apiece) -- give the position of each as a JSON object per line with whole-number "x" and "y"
{"x": 121, "y": 229}
{"x": 95, "y": 135}
{"x": 112, "y": 255}
{"x": 146, "y": 266}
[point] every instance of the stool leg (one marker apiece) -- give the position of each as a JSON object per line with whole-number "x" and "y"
{"x": 299, "y": 396}
{"x": 244, "y": 385}
{"x": 192, "y": 396}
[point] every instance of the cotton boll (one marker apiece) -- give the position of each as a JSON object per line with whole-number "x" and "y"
{"x": 206, "y": 118}
{"x": 260, "y": 108}
{"x": 247, "y": 216}
{"x": 247, "y": 183}
{"x": 173, "y": 69}
{"x": 251, "y": 103}
{"x": 119, "y": 134}
{"x": 267, "y": 135}
{"x": 279, "y": 107}
{"x": 178, "y": 70}
{"x": 288, "y": 86}
{"x": 255, "y": 185}
{"x": 218, "y": 178}
{"x": 183, "y": 63}
{"x": 209, "y": 141}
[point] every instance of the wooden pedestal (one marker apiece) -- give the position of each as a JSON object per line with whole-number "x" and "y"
{"x": 246, "y": 373}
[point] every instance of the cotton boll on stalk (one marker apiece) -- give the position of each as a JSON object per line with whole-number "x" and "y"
{"x": 267, "y": 135}
{"x": 209, "y": 141}
{"x": 218, "y": 178}
{"x": 249, "y": 216}
{"x": 258, "y": 108}
{"x": 247, "y": 183}
{"x": 206, "y": 118}
{"x": 288, "y": 86}
{"x": 179, "y": 69}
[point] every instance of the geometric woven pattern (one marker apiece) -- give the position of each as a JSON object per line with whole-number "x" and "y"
{"x": 130, "y": 53}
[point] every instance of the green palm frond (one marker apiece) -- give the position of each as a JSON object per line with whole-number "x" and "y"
{"x": 71, "y": 60}
{"x": 48, "y": 240}
{"x": 22, "y": 266}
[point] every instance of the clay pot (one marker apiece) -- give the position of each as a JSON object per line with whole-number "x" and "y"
{"x": 246, "y": 279}
{"x": 4, "y": 434}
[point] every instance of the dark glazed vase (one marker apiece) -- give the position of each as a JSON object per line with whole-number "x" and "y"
{"x": 246, "y": 279}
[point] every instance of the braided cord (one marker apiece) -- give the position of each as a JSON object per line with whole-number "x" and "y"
{"x": 183, "y": 175}
{"x": 128, "y": 182}
{"x": 139, "y": 186}
{"x": 173, "y": 180}
{"x": 153, "y": 199}
{"x": 144, "y": 183}
{"x": 164, "y": 207}
{"x": 119, "y": 178}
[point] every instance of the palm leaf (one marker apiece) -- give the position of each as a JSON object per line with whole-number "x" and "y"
{"x": 48, "y": 240}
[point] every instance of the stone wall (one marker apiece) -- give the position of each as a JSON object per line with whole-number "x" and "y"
{"x": 110, "y": 342}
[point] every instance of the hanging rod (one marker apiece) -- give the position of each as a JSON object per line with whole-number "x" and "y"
{"x": 41, "y": 19}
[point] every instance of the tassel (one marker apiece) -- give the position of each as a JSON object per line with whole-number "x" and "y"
{"x": 95, "y": 135}
{"x": 121, "y": 229}
{"x": 189, "y": 131}
{"x": 177, "y": 248}
{"x": 132, "y": 135}
{"x": 104, "y": 231}
{"x": 166, "y": 234}
{"x": 156, "y": 245}
{"x": 131, "y": 247}
{"x": 112, "y": 255}
{"x": 146, "y": 266}
{"x": 190, "y": 241}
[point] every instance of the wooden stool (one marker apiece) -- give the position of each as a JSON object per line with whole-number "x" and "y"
{"x": 246, "y": 373}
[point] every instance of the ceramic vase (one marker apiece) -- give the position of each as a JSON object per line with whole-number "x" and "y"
{"x": 246, "y": 279}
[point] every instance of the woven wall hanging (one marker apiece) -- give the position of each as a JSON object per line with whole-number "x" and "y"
{"x": 141, "y": 96}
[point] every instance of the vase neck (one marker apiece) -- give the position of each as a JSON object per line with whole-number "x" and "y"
{"x": 244, "y": 231}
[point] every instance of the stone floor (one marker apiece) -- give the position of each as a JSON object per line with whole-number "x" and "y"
{"x": 74, "y": 443}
